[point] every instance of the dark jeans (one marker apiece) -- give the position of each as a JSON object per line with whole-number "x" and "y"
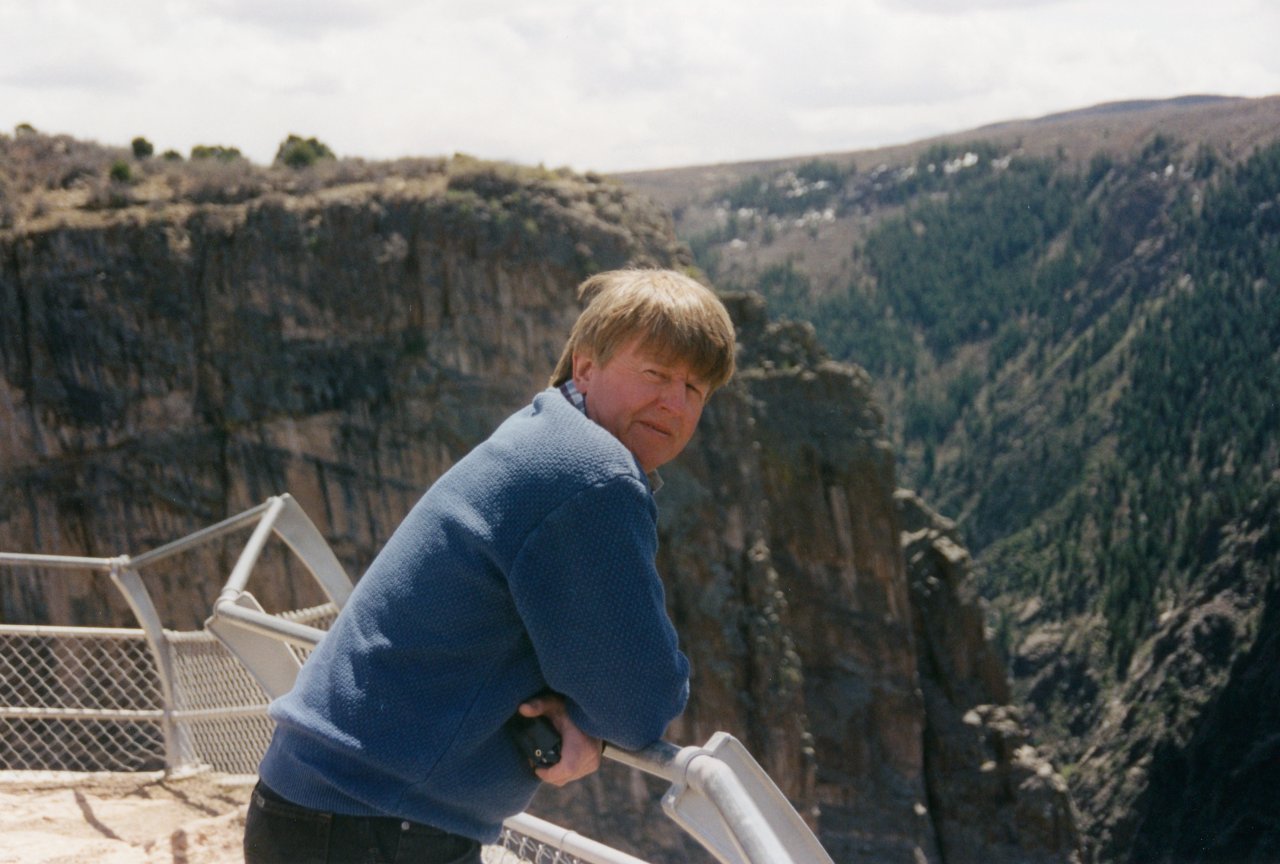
{"x": 277, "y": 831}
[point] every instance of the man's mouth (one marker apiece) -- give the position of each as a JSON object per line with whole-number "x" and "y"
{"x": 653, "y": 427}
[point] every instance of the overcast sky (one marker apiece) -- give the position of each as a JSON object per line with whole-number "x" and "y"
{"x": 601, "y": 85}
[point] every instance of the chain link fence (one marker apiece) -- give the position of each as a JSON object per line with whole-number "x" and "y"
{"x": 79, "y": 699}
{"x": 516, "y": 848}
{"x": 221, "y": 711}
{"x": 89, "y": 699}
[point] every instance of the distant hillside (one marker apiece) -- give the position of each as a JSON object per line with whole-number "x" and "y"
{"x": 1129, "y": 107}
{"x": 1073, "y": 323}
{"x": 1231, "y": 125}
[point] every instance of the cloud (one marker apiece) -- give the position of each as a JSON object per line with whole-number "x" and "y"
{"x": 299, "y": 19}
{"x": 606, "y": 86}
{"x": 965, "y": 7}
{"x": 45, "y": 47}
{"x": 85, "y": 73}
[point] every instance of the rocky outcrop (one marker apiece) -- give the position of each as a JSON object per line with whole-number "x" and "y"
{"x": 166, "y": 366}
{"x": 993, "y": 795}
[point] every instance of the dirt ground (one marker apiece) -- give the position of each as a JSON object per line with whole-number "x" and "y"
{"x": 62, "y": 817}
{"x": 144, "y": 818}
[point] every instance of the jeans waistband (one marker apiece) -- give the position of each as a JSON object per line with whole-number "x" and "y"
{"x": 269, "y": 799}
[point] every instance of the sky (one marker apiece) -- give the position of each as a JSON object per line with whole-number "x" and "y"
{"x": 604, "y": 86}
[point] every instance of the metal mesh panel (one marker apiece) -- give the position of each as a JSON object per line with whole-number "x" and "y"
{"x": 221, "y": 710}
{"x": 78, "y": 699}
{"x": 89, "y": 699}
{"x": 234, "y": 745}
{"x": 73, "y": 667}
{"x": 35, "y": 744}
{"x": 320, "y": 617}
{"x": 515, "y": 848}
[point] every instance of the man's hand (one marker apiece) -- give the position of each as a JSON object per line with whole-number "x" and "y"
{"x": 579, "y": 752}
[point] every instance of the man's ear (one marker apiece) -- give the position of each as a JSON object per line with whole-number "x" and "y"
{"x": 584, "y": 367}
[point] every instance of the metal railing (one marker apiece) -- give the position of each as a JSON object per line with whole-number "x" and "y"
{"x": 199, "y": 698}
{"x": 126, "y": 699}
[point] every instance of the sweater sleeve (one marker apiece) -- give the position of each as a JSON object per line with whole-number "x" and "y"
{"x": 588, "y": 591}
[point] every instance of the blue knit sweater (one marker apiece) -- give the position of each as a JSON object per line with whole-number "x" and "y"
{"x": 528, "y": 565}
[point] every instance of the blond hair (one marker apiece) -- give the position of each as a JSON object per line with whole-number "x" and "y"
{"x": 674, "y": 316}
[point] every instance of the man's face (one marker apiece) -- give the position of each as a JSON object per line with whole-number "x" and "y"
{"x": 649, "y": 405}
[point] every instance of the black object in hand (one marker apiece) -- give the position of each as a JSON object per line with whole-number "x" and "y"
{"x": 537, "y": 739}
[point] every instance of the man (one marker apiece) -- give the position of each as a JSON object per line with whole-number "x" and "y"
{"x": 522, "y": 583}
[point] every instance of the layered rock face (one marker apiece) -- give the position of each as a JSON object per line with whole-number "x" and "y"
{"x": 169, "y": 366}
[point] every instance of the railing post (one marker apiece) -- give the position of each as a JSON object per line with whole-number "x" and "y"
{"x": 177, "y": 750}
{"x": 252, "y": 549}
{"x": 300, "y": 534}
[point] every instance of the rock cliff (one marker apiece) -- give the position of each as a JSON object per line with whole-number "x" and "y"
{"x": 167, "y": 364}
{"x": 990, "y": 790}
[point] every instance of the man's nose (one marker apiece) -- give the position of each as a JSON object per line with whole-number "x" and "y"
{"x": 674, "y": 396}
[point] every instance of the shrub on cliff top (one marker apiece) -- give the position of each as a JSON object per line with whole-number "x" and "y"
{"x": 120, "y": 172}
{"x": 216, "y": 151}
{"x": 142, "y": 148}
{"x": 297, "y": 152}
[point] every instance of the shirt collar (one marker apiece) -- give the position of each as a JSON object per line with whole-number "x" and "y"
{"x": 576, "y": 399}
